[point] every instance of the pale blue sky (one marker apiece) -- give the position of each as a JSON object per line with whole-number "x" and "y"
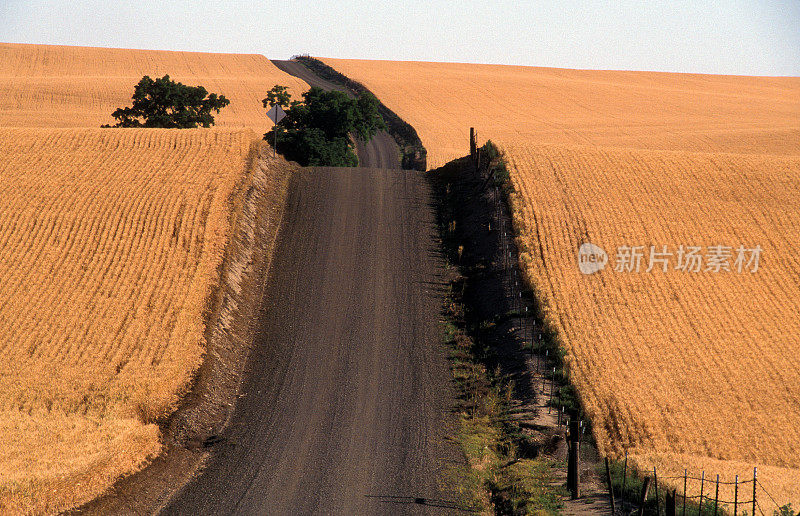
{"x": 757, "y": 37}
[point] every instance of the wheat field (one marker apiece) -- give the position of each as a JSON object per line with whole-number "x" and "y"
{"x": 62, "y": 86}
{"x": 647, "y": 110}
{"x": 110, "y": 241}
{"x": 111, "y": 244}
{"x": 681, "y": 369}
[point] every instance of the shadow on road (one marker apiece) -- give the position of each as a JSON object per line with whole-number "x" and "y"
{"x": 427, "y": 502}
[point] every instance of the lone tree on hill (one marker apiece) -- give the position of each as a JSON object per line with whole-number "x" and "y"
{"x": 316, "y": 130}
{"x": 166, "y": 103}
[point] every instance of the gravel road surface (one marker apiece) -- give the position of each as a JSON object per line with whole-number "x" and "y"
{"x": 346, "y": 398}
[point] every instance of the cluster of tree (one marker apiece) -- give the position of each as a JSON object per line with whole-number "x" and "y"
{"x": 166, "y": 103}
{"x": 317, "y": 130}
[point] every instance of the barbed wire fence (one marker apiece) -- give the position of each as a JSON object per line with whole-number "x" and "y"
{"x": 748, "y": 493}
{"x": 521, "y": 307}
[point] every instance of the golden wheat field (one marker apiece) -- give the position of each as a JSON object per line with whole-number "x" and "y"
{"x": 696, "y": 370}
{"x": 62, "y": 86}
{"x": 649, "y": 110}
{"x": 110, "y": 241}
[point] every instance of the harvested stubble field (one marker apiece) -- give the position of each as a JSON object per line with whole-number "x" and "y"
{"x": 683, "y": 370}
{"x": 111, "y": 244}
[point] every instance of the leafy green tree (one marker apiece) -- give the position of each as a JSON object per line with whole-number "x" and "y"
{"x": 277, "y": 95}
{"x": 370, "y": 120}
{"x": 316, "y": 130}
{"x": 166, "y": 103}
{"x": 312, "y": 147}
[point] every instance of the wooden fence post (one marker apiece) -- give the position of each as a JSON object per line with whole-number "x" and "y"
{"x": 573, "y": 466}
{"x": 473, "y": 144}
{"x": 670, "y": 508}
{"x": 643, "y": 499}
{"x": 610, "y": 488}
{"x": 570, "y": 479}
{"x": 625, "y": 474}
{"x": 655, "y": 481}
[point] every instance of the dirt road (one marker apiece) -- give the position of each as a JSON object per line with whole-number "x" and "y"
{"x": 346, "y": 397}
{"x": 346, "y": 394}
{"x": 381, "y": 152}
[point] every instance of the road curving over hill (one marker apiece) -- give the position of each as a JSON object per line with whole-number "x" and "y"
{"x": 381, "y": 151}
{"x": 345, "y": 405}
